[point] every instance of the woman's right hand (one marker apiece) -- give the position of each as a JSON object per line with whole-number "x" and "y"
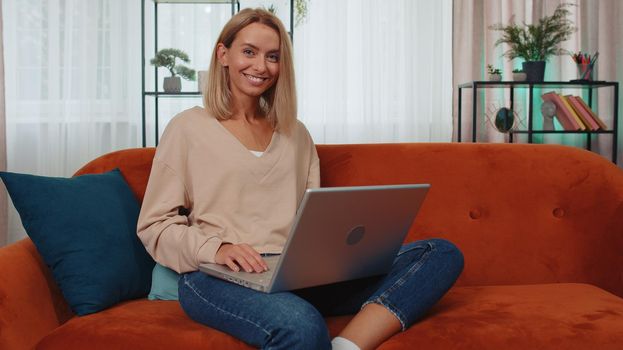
{"x": 240, "y": 255}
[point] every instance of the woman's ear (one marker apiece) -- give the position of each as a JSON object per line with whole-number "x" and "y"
{"x": 221, "y": 54}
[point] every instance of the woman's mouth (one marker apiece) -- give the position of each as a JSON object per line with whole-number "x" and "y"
{"x": 255, "y": 80}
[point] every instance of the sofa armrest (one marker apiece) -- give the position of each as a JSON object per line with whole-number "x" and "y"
{"x": 31, "y": 305}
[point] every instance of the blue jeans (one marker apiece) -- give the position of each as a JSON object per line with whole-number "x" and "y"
{"x": 421, "y": 274}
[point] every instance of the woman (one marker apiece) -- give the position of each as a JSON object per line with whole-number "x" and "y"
{"x": 224, "y": 188}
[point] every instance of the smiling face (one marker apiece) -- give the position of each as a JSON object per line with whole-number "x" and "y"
{"x": 252, "y": 60}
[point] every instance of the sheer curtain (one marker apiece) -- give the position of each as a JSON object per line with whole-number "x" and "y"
{"x": 599, "y": 29}
{"x": 3, "y": 195}
{"x": 72, "y": 84}
{"x": 375, "y": 71}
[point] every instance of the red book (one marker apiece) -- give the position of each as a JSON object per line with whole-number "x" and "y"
{"x": 601, "y": 123}
{"x": 582, "y": 113}
{"x": 564, "y": 117}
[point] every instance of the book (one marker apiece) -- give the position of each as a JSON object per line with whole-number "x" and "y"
{"x": 601, "y": 123}
{"x": 572, "y": 113}
{"x": 586, "y": 117}
{"x": 561, "y": 112}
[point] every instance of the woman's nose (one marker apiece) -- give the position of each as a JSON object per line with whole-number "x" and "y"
{"x": 259, "y": 64}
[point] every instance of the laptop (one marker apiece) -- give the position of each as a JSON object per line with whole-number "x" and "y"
{"x": 338, "y": 234}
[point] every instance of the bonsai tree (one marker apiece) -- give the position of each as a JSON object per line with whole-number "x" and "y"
{"x": 517, "y": 70}
{"x": 167, "y": 58}
{"x": 536, "y": 42}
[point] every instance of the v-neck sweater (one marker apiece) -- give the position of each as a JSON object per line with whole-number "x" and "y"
{"x": 205, "y": 188}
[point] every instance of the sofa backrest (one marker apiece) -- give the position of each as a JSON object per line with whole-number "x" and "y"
{"x": 520, "y": 213}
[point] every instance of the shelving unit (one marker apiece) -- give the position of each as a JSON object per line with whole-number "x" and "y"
{"x": 157, "y": 94}
{"x": 530, "y": 131}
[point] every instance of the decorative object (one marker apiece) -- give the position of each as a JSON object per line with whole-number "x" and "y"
{"x": 548, "y": 110}
{"x": 494, "y": 73}
{"x": 536, "y": 42}
{"x": 167, "y": 58}
{"x": 85, "y": 230}
{"x": 585, "y": 63}
{"x": 504, "y": 119}
{"x": 519, "y": 75}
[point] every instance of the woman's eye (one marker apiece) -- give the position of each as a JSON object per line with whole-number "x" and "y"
{"x": 273, "y": 58}
{"x": 247, "y": 52}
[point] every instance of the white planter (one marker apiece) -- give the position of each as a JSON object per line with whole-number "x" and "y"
{"x": 172, "y": 84}
{"x": 521, "y": 76}
{"x": 202, "y": 79}
{"x": 495, "y": 77}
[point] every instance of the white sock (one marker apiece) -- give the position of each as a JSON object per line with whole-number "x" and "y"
{"x": 339, "y": 343}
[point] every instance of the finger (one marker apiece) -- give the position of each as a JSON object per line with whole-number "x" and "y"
{"x": 231, "y": 264}
{"x": 242, "y": 260}
{"x": 258, "y": 263}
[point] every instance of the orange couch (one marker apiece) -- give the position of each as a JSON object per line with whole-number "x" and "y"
{"x": 541, "y": 228}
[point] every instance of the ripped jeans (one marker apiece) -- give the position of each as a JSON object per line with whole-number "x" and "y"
{"x": 421, "y": 274}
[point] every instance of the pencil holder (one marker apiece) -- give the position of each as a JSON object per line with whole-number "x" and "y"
{"x": 585, "y": 71}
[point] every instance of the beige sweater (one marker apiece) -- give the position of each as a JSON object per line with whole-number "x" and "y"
{"x": 230, "y": 194}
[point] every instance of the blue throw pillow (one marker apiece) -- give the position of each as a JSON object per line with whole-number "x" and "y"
{"x": 85, "y": 230}
{"x": 163, "y": 284}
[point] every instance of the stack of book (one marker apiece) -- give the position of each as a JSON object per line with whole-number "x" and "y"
{"x": 573, "y": 113}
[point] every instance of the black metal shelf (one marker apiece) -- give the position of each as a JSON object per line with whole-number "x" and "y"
{"x": 531, "y": 86}
{"x": 561, "y": 132}
{"x": 235, "y": 7}
{"x": 174, "y": 94}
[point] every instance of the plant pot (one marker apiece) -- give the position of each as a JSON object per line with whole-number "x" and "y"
{"x": 495, "y": 77}
{"x": 202, "y": 79}
{"x": 535, "y": 70}
{"x": 172, "y": 84}
{"x": 519, "y": 76}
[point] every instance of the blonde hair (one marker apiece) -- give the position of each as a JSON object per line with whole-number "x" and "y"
{"x": 277, "y": 103}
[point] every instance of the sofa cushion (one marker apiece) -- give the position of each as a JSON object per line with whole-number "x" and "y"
{"x": 85, "y": 230}
{"x": 163, "y": 284}
{"x": 146, "y": 324}
{"x": 564, "y": 316}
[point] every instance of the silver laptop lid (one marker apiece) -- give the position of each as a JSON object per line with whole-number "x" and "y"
{"x": 344, "y": 233}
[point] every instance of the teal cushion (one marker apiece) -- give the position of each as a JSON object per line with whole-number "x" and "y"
{"x": 85, "y": 230}
{"x": 163, "y": 284}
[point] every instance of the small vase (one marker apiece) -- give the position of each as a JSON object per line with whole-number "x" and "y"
{"x": 519, "y": 76}
{"x": 172, "y": 84}
{"x": 495, "y": 77}
{"x": 202, "y": 79}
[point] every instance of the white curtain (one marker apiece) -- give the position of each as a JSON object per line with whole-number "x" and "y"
{"x": 72, "y": 84}
{"x": 375, "y": 71}
{"x": 3, "y": 194}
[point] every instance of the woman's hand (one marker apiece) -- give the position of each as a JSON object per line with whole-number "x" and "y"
{"x": 240, "y": 255}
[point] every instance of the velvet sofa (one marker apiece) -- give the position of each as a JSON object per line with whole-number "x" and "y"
{"x": 540, "y": 226}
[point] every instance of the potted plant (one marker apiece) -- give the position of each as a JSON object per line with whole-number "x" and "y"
{"x": 167, "y": 58}
{"x": 494, "y": 73}
{"x": 536, "y": 42}
{"x": 519, "y": 74}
